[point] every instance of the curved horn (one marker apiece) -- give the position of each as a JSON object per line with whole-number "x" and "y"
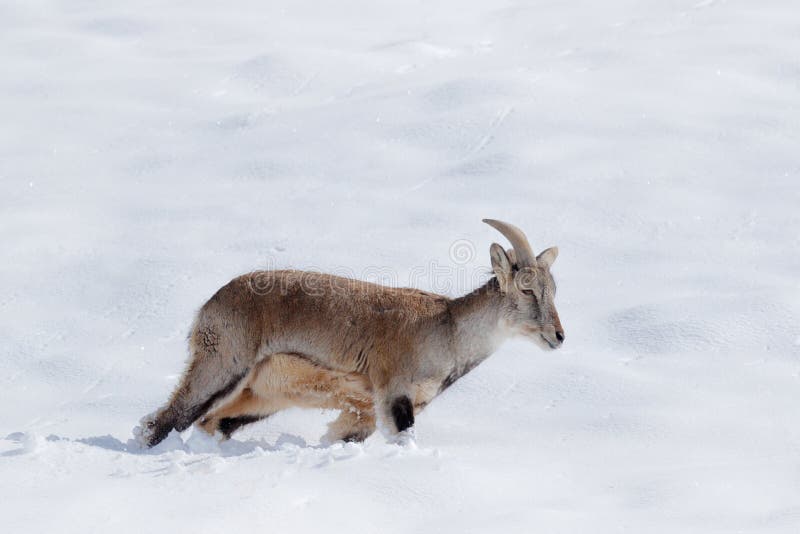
{"x": 515, "y": 236}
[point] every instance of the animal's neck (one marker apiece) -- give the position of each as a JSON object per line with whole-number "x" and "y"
{"x": 478, "y": 329}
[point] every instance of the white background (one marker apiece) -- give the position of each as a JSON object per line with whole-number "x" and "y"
{"x": 150, "y": 151}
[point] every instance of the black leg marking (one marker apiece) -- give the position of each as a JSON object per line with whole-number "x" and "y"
{"x": 403, "y": 413}
{"x": 194, "y": 413}
{"x": 229, "y": 425}
{"x": 456, "y": 374}
{"x": 448, "y": 381}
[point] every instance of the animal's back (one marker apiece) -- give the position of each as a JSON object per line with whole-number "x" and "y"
{"x": 338, "y": 322}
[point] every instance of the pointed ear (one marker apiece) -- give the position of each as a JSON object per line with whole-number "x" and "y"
{"x": 547, "y": 257}
{"x": 501, "y": 265}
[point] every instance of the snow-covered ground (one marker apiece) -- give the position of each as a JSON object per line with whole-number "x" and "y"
{"x": 150, "y": 151}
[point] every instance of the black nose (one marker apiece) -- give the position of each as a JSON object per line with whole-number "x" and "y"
{"x": 560, "y": 335}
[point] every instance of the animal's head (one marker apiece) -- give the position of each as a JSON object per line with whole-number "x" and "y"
{"x": 527, "y": 287}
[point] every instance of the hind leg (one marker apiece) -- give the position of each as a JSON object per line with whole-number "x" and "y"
{"x": 309, "y": 385}
{"x": 246, "y": 408}
{"x": 261, "y": 396}
{"x": 216, "y": 370}
{"x": 353, "y": 426}
{"x": 352, "y": 394}
{"x": 290, "y": 380}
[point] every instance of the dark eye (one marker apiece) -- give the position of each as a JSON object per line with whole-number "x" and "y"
{"x": 528, "y": 291}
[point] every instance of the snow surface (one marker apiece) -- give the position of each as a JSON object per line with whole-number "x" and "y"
{"x": 151, "y": 151}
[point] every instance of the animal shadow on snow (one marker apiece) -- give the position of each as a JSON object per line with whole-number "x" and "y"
{"x": 194, "y": 444}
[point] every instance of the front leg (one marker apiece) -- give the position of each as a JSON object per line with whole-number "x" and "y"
{"x": 399, "y": 401}
{"x": 402, "y": 413}
{"x": 395, "y": 408}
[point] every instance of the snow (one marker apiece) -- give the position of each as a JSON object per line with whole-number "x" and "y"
{"x": 152, "y": 151}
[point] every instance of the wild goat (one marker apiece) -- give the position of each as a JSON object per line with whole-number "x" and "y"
{"x": 269, "y": 340}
